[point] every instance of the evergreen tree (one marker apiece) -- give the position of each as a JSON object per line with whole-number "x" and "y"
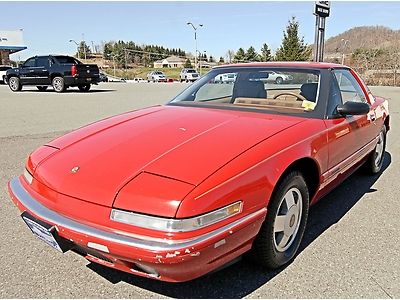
{"x": 211, "y": 59}
{"x": 265, "y": 53}
{"x": 221, "y": 60}
{"x": 251, "y": 54}
{"x": 83, "y": 50}
{"x": 240, "y": 55}
{"x": 293, "y": 48}
{"x": 187, "y": 64}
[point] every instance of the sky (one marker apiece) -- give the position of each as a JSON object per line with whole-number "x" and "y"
{"x": 48, "y": 26}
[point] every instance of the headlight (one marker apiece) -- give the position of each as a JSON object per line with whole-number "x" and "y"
{"x": 176, "y": 225}
{"x": 28, "y": 176}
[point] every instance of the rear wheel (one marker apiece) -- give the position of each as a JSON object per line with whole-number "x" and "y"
{"x": 58, "y": 84}
{"x": 84, "y": 88}
{"x": 42, "y": 88}
{"x": 15, "y": 84}
{"x": 279, "y": 80}
{"x": 282, "y": 231}
{"x": 375, "y": 160}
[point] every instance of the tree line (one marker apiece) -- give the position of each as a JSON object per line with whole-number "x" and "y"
{"x": 293, "y": 48}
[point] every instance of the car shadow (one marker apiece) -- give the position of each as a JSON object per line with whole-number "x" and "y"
{"x": 69, "y": 91}
{"x": 244, "y": 277}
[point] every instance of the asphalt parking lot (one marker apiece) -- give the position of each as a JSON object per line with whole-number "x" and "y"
{"x": 351, "y": 247}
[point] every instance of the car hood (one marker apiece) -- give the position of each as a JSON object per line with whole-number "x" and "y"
{"x": 186, "y": 144}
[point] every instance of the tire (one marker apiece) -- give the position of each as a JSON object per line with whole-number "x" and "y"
{"x": 374, "y": 163}
{"x": 15, "y": 84}
{"x": 282, "y": 231}
{"x": 4, "y": 79}
{"x": 84, "y": 88}
{"x": 58, "y": 84}
{"x": 42, "y": 88}
{"x": 279, "y": 80}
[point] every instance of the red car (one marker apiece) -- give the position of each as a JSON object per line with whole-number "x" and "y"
{"x": 173, "y": 192}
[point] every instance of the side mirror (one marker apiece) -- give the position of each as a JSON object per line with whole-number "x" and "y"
{"x": 353, "y": 108}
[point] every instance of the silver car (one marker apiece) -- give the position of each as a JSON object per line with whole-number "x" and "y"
{"x": 156, "y": 76}
{"x": 189, "y": 75}
{"x": 278, "y": 78}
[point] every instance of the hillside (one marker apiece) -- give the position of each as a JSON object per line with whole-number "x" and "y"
{"x": 371, "y": 37}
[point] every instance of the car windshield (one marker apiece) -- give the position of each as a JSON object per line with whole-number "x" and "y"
{"x": 283, "y": 90}
{"x": 67, "y": 60}
{"x": 191, "y": 71}
{"x": 158, "y": 73}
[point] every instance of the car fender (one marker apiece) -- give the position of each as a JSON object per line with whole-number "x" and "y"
{"x": 252, "y": 176}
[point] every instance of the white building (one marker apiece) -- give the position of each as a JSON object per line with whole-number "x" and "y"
{"x": 170, "y": 62}
{"x": 11, "y": 41}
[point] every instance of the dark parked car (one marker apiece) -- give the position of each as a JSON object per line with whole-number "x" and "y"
{"x": 103, "y": 77}
{"x": 59, "y": 71}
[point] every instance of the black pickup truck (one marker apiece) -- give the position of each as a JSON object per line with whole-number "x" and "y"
{"x": 59, "y": 71}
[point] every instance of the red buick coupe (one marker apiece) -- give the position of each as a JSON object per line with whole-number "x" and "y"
{"x": 175, "y": 191}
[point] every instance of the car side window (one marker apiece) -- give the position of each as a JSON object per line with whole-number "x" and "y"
{"x": 335, "y": 98}
{"x": 30, "y": 63}
{"x": 42, "y": 62}
{"x": 349, "y": 88}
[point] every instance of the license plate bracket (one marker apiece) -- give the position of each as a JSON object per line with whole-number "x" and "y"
{"x": 46, "y": 232}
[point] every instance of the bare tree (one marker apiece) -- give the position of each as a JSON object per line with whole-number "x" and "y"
{"x": 230, "y": 54}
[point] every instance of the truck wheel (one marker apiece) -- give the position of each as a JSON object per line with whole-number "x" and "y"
{"x": 84, "y": 88}
{"x": 280, "y": 235}
{"x": 58, "y": 84}
{"x": 42, "y": 88}
{"x": 15, "y": 84}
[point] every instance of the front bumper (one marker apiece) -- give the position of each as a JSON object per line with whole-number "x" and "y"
{"x": 163, "y": 259}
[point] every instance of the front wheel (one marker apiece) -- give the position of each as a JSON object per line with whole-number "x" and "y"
{"x": 374, "y": 163}
{"x": 42, "y": 88}
{"x": 15, "y": 84}
{"x": 84, "y": 88}
{"x": 279, "y": 80}
{"x": 282, "y": 231}
{"x": 58, "y": 84}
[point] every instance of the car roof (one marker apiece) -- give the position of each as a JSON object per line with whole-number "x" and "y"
{"x": 288, "y": 64}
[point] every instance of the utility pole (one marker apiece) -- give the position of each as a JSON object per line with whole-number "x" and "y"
{"x": 344, "y": 49}
{"x": 321, "y": 12}
{"x": 84, "y": 44}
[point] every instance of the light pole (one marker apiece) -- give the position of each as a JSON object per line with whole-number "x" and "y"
{"x": 195, "y": 40}
{"x": 77, "y": 46}
{"x": 344, "y": 48}
{"x": 200, "y": 60}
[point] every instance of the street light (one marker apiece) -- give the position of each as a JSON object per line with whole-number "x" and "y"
{"x": 200, "y": 60}
{"x": 195, "y": 40}
{"x": 344, "y": 48}
{"x": 77, "y": 46}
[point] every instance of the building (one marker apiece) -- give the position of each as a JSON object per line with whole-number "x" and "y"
{"x": 170, "y": 62}
{"x": 11, "y": 41}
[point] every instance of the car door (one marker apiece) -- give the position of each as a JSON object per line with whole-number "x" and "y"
{"x": 349, "y": 137}
{"x": 26, "y": 72}
{"x": 41, "y": 70}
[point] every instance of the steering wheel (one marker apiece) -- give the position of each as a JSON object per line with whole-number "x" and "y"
{"x": 299, "y": 97}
